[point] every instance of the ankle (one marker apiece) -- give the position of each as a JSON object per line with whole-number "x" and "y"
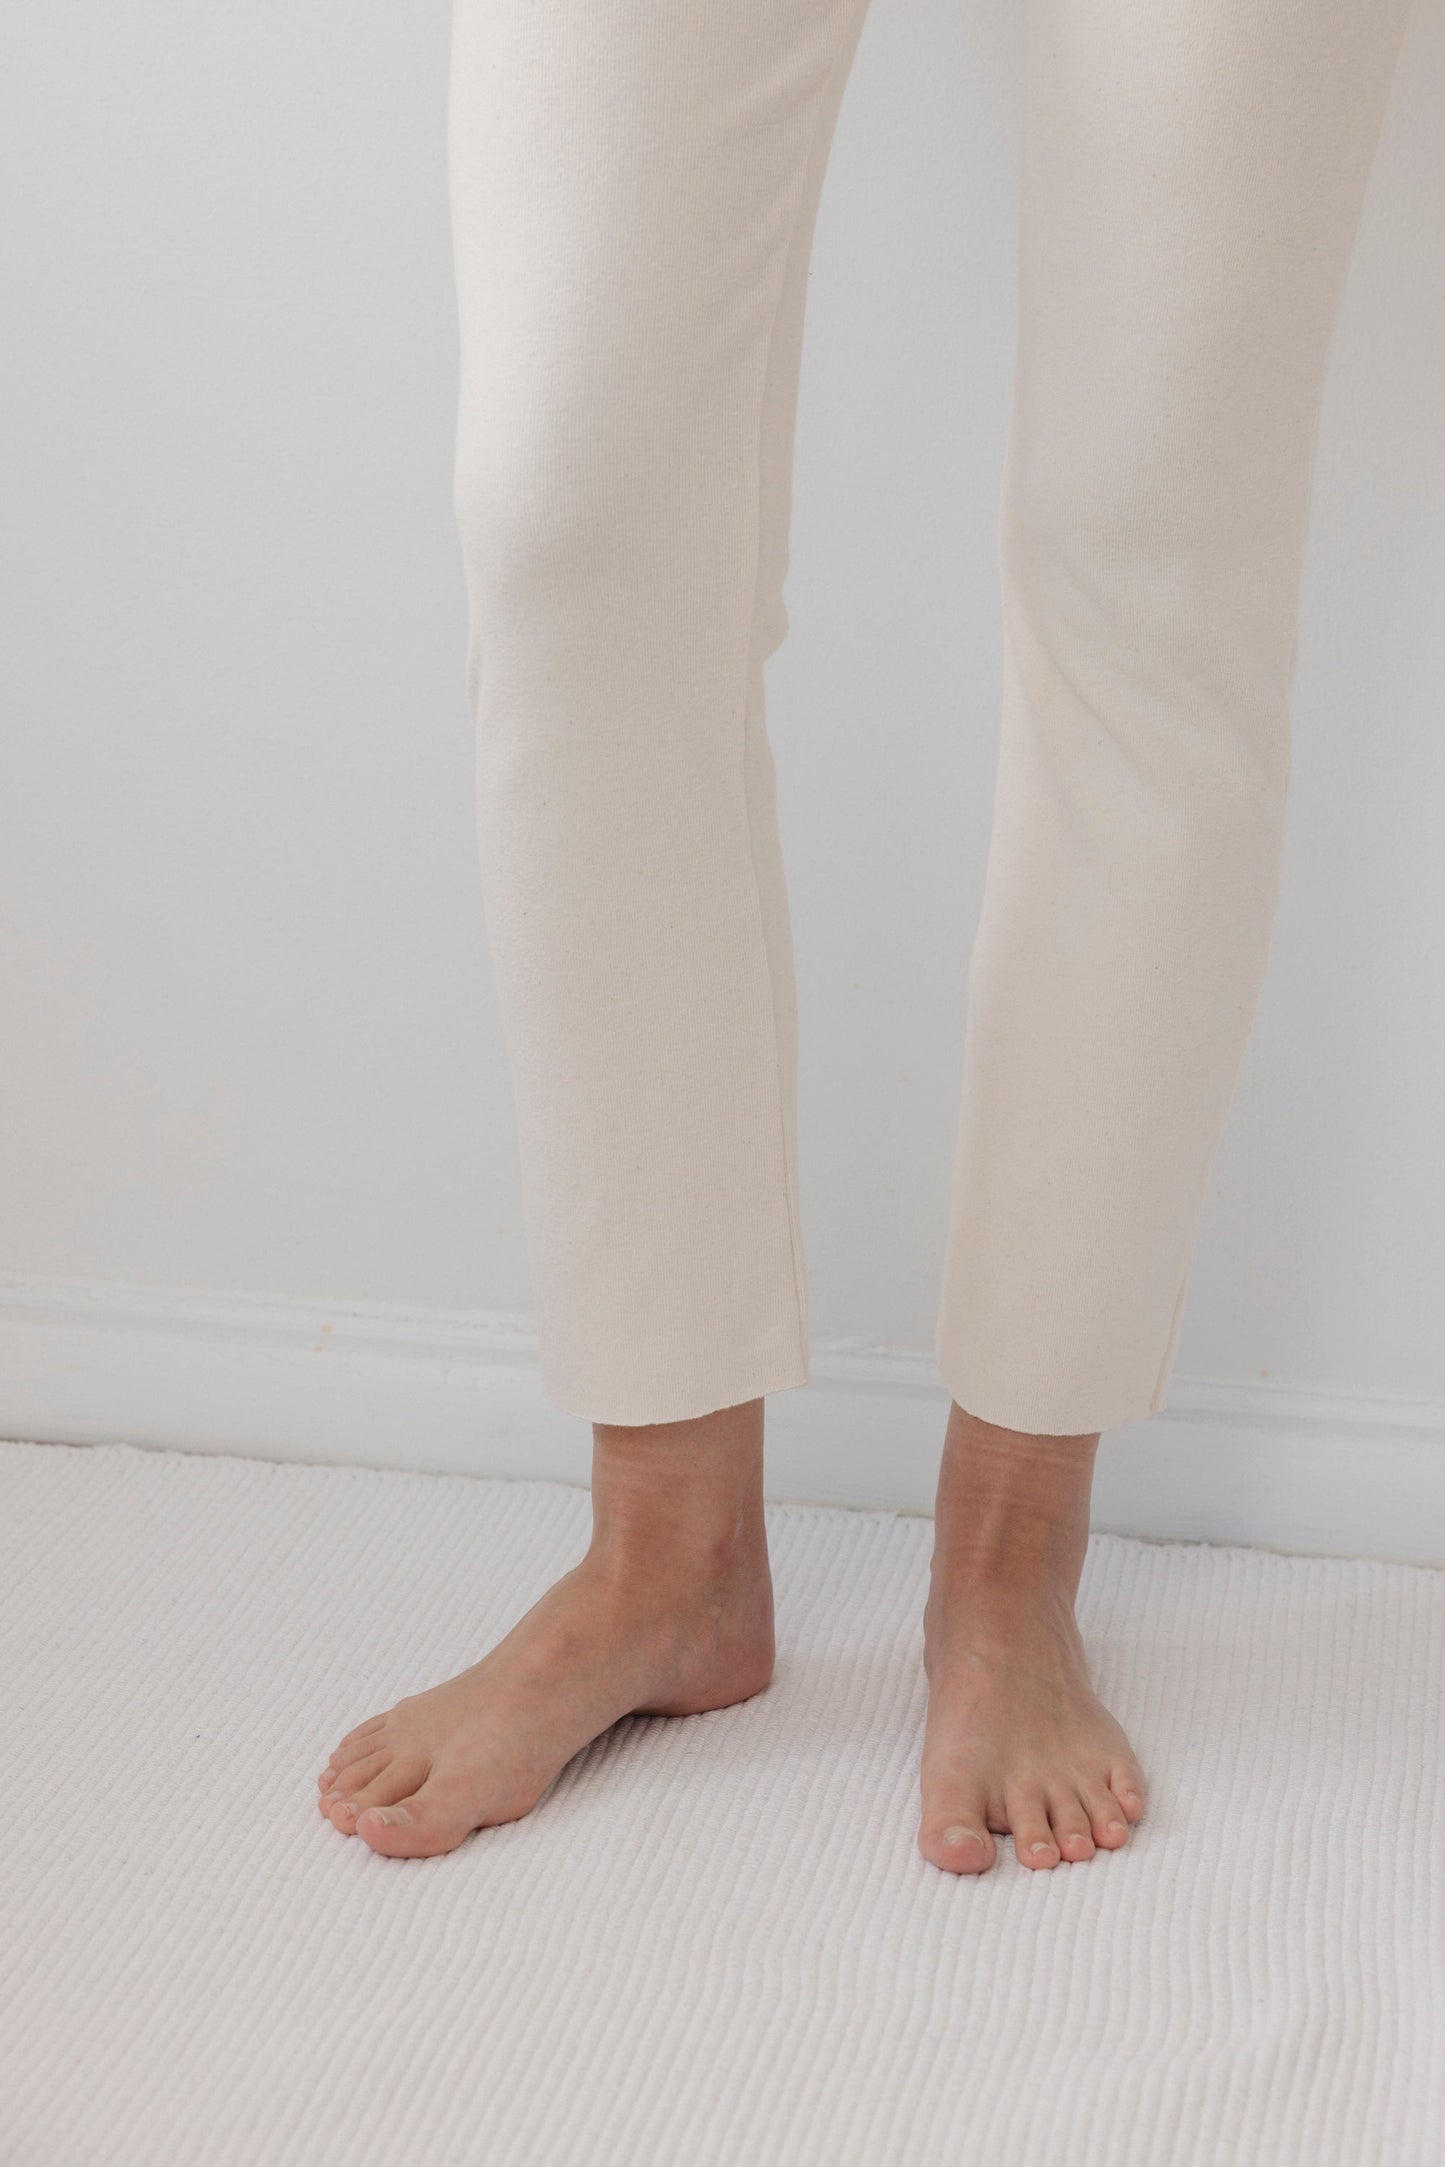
{"x": 681, "y": 1499}
{"x": 1013, "y": 1510}
{"x": 666, "y": 1556}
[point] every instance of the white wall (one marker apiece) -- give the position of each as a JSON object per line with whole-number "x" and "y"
{"x": 251, "y": 1040}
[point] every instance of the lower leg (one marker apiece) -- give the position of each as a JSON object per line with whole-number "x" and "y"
{"x": 670, "y": 1612}
{"x": 1016, "y": 1739}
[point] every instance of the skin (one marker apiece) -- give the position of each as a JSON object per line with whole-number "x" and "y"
{"x": 1016, "y": 1740}
{"x": 670, "y": 1612}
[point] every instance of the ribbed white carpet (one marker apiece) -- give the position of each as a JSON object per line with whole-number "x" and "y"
{"x": 713, "y": 1945}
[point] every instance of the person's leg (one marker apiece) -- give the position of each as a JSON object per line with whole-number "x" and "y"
{"x": 634, "y": 189}
{"x": 1193, "y": 173}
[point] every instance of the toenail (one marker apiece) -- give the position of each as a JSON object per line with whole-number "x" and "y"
{"x": 1036, "y": 1848}
{"x": 389, "y": 1816}
{"x": 1116, "y": 1828}
{"x": 962, "y": 1835}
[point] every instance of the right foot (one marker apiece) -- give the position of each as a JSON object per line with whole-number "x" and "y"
{"x": 669, "y": 1613}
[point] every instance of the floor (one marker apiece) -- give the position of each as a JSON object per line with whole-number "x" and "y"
{"x": 713, "y": 1945}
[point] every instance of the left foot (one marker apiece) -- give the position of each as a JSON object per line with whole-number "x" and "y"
{"x": 1017, "y": 1741}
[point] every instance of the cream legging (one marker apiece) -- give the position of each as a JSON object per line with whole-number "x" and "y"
{"x": 634, "y": 191}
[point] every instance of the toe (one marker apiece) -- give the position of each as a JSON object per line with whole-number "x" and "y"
{"x": 957, "y": 1839}
{"x": 352, "y": 1750}
{"x": 1028, "y": 1817}
{"x": 419, "y": 1826}
{"x": 391, "y": 1784}
{"x": 1070, "y": 1823}
{"x": 362, "y": 1730}
{"x": 1106, "y": 1817}
{"x": 1127, "y": 1785}
{"x": 356, "y": 1777}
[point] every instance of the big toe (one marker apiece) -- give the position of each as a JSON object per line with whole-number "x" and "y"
{"x": 956, "y": 1839}
{"x": 421, "y": 1825}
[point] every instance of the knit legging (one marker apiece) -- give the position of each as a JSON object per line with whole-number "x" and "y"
{"x": 634, "y": 189}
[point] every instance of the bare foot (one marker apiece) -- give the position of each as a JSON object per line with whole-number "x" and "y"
{"x": 669, "y": 1613}
{"x": 1016, "y": 1741}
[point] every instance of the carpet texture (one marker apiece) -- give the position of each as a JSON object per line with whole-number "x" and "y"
{"x": 713, "y": 1944}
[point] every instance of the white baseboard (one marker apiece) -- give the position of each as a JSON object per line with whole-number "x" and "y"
{"x": 367, "y": 1384}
